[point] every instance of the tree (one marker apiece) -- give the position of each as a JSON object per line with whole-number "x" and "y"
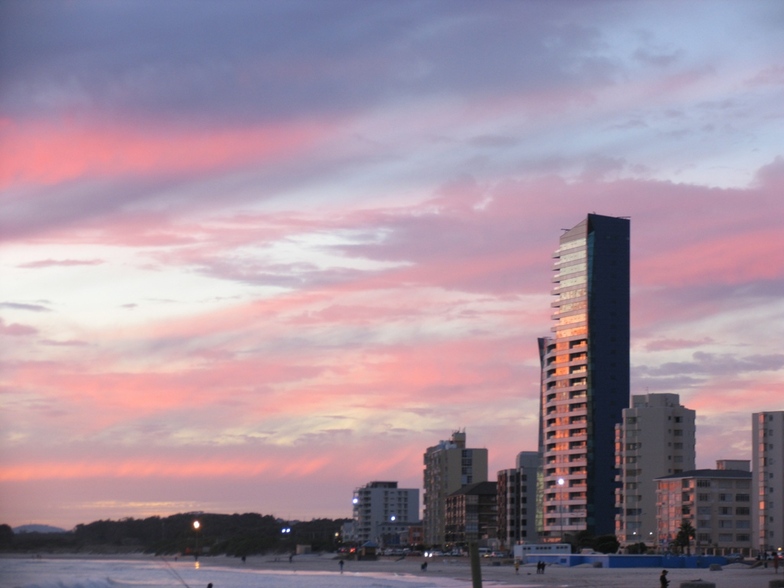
{"x": 606, "y": 544}
{"x": 6, "y": 536}
{"x": 685, "y": 534}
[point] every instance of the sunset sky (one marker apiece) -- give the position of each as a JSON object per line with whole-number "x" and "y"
{"x": 257, "y": 254}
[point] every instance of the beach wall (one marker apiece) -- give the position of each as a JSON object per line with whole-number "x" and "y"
{"x": 629, "y": 561}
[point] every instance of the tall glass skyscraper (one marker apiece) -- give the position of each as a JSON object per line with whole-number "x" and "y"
{"x": 585, "y": 379}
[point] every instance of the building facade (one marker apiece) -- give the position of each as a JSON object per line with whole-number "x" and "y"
{"x": 655, "y": 439}
{"x": 449, "y": 466}
{"x": 716, "y": 503}
{"x": 517, "y": 501}
{"x": 585, "y": 378}
{"x": 767, "y": 429}
{"x": 471, "y": 515}
{"x": 382, "y": 512}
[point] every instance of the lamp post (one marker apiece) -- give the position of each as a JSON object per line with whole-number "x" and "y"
{"x": 560, "y": 506}
{"x": 196, "y": 527}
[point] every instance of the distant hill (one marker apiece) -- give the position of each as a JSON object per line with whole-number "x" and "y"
{"x": 38, "y": 529}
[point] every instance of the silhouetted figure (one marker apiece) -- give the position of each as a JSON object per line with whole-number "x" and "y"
{"x": 423, "y": 567}
{"x": 340, "y": 563}
{"x": 663, "y": 581}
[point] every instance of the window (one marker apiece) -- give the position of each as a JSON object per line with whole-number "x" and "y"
{"x": 741, "y": 497}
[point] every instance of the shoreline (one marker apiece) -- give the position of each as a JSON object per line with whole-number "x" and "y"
{"x": 584, "y": 576}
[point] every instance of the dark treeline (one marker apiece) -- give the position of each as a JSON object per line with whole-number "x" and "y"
{"x": 235, "y": 535}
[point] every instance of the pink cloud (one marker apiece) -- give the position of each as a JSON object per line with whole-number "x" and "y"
{"x": 671, "y": 344}
{"x": 46, "y": 153}
{"x": 59, "y": 262}
{"x": 16, "y": 329}
{"x": 65, "y": 343}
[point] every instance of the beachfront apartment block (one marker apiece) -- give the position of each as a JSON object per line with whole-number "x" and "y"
{"x": 717, "y": 504}
{"x": 382, "y": 513}
{"x": 517, "y": 501}
{"x": 472, "y": 515}
{"x": 767, "y": 429}
{"x": 584, "y": 379}
{"x": 449, "y": 466}
{"x": 656, "y": 438}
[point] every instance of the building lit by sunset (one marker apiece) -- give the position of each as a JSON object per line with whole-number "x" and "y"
{"x": 767, "y": 452}
{"x": 585, "y": 378}
{"x": 716, "y": 503}
{"x": 657, "y": 438}
{"x": 448, "y": 467}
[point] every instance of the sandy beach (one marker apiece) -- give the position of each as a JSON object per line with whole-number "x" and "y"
{"x": 731, "y": 576}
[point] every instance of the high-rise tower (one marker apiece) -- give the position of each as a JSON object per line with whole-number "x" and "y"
{"x": 585, "y": 378}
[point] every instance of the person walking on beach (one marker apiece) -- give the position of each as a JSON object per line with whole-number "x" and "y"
{"x": 340, "y": 563}
{"x": 663, "y": 581}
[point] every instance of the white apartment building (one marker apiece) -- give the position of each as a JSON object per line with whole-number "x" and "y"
{"x": 767, "y": 429}
{"x": 656, "y": 438}
{"x": 382, "y": 512}
{"x": 717, "y": 503}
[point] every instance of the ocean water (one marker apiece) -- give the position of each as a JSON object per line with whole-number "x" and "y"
{"x": 165, "y": 573}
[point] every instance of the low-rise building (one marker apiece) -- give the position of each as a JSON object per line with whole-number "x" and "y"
{"x": 716, "y": 503}
{"x": 472, "y": 514}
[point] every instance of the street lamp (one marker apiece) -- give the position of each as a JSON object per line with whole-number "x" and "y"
{"x": 560, "y": 506}
{"x": 196, "y": 527}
